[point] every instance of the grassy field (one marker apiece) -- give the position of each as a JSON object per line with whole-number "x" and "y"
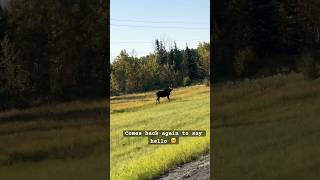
{"x": 67, "y": 141}
{"x": 64, "y": 141}
{"x": 132, "y": 158}
{"x": 263, "y": 129}
{"x": 267, "y": 129}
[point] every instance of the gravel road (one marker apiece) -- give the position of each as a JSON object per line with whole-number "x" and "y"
{"x": 195, "y": 170}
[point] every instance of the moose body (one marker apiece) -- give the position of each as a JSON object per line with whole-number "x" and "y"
{"x": 163, "y": 93}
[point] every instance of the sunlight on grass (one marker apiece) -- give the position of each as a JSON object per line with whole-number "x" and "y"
{"x": 132, "y": 158}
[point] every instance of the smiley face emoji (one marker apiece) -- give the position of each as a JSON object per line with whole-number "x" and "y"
{"x": 173, "y": 140}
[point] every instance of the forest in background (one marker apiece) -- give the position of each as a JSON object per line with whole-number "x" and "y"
{"x": 167, "y": 66}
{"x": 52, "y": 50}
{"x": 256, "y": 38}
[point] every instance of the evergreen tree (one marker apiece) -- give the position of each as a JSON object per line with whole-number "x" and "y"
{"x": 161, "y": 52}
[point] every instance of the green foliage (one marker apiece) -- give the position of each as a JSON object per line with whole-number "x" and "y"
{"x": 53, "y": 50}
{"x": 191, "y": 60}
{"x": 271, "y": 28}
{"x": 163, "y": 69}
{"x": 177, "y": 58}
{"x": 161, "y": 52}
{"x": 203, "y": 51}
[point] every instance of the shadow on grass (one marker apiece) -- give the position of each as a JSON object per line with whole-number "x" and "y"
{"x": 128, "y": 97}
{"x": 96, "y": 113}
{"x": 53, "y": 127}
{"x": 151, "y": 104}
{"x": 72, "y": 151}
{"x": 248, "y": 123}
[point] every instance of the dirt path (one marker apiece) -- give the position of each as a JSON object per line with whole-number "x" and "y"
{"x": 195, "y": 170}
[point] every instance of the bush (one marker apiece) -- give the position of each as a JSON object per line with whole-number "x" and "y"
{"x": 243, "y": 59}
{"x": 309, "y": 67}
{"x": 206, "y": 81}
{"x": 186, "y": 81}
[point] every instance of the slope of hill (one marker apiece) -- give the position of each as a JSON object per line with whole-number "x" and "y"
{"x": 267, "y": 129}
{"x": 133, "y": 158}
{"x": 60, "y": 141}
{"x": 66, "y": 141}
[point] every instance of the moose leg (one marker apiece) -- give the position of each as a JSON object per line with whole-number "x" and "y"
{"x": 168, "y": 98}
{"x": 158, "y": 100}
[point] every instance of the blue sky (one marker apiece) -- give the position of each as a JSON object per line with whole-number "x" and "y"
{"x": 135, "y": 24}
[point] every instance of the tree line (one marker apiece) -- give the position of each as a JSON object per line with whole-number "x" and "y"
{"x": 253, "y": 38}
{"x": 52, "y": 50}
{"x": 167, "y": 66}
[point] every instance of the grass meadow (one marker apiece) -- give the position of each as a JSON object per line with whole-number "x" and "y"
{"x": 67, "y": 141}
{"x": 64, "y": 141}
{"x": 267, "y": 129}
{"x": 264, "y": 129}
{"x": 132, "y": 158}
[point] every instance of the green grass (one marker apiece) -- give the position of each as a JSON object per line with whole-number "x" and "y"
{"x": 66, "y": 141}
{"x": 58, "y": 141}
{"x": 132, "y": 158}
{"x": 90, "y": 167}
{"x": 267, "y": 129}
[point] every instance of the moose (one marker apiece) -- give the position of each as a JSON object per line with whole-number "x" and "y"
{"x": 163, "y": 93}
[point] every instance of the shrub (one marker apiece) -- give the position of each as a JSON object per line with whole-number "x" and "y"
{"x": 206, "y": 81}
{"x": 242, "y": 61}
{"x": 186, "y": 81}
{"x": 309, "y": 67}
